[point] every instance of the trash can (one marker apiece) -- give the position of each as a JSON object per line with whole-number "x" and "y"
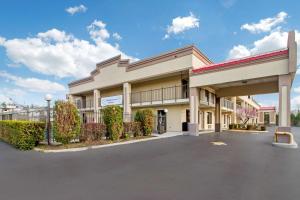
{"x": 184, "y": 126}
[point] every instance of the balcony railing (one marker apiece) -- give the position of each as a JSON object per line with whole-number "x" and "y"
{"x": 85, "y": 104}
{"x": 207, "y": 98}
{"x": 175, "y": 94}
{"x": 227, "y": 104}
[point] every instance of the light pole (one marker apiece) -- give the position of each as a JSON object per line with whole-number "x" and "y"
{"x": 48, "y": 98}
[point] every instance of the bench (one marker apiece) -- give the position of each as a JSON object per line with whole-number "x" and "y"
{"x": 286, "y": 136}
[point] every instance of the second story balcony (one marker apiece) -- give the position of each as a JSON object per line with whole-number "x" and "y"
{"x": 207, "y": 98}
{"x": 85, "y": 104}
{"x": 168, "y": 95}
{"x": 227, "y": 105}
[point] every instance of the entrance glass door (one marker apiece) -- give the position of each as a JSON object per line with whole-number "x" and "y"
{"x": 161, "y": 121}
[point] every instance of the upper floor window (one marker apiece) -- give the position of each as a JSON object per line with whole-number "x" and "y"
{"x": 209, "y": 118}
{"x": 207, "y": 95}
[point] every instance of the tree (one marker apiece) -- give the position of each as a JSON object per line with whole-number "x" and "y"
{"x": 244, "y": 114}
{"x": 3, "y": 105}
{"x": 66, "y": 125}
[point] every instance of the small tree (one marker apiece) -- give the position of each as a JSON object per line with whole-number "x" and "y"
{"x": 145, "y": 117}
{"x": 245, "y": 114}
{"x": 113, "y": 119}
{"x": 66, "y": 125}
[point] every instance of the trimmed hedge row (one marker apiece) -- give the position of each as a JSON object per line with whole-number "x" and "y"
{"x": 96, "y": 131}
{"x": 23, "y": 135}
{"x": 132, "y": 129}
{"x": 92, "y": 132}
{"x": 247, "y": 127}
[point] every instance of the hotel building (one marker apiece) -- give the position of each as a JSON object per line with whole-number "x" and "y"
{"x": 187, "y": 91}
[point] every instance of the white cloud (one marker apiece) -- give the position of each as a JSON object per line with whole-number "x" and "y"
{"x": 2, "y": 40}
{"x": 239, "y": 51}
{"x": 297, "y": 89}
{"x": 117, "y": 36}
{"x": 9, "y": 95}
{"x": 181, "y": 24}
{"x": 5, "y": 99}
{"x": 55, "y": 35}
{"x": 34, "y": 84}
{"x": 273, "y": 41}
{"x": 228, "y": 3}
{"x": 76, "y": 9}
{"x": 98, "y": 32}
{"x": 265, "y": 25}
{"x": 58, "y": 53}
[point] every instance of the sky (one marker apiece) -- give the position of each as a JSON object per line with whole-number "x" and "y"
{"x": 44, "y": 45}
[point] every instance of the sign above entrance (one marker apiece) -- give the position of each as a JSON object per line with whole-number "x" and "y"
{"x": 112, "y": 100}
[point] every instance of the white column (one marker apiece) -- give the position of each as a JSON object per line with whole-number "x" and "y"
{"x": 194, "y": 105}
{"x": 71, "y": 98}
{"x": 126, "y": 102}
{"x": 234, "y": 110}
{"x": 284, "y": 85}
{"x": 96, "y": 106}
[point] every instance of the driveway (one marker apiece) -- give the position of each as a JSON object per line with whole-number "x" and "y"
{"x": 180, "y": 167}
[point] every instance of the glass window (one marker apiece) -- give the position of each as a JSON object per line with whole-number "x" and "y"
{"x": 209, "y": 118}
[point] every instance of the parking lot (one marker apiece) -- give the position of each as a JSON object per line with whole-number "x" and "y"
{"x": 180, "y": 167}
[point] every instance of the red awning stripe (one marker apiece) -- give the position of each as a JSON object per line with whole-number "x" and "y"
{"x": 268, "y": 108}
{"x": 231, "y": 63}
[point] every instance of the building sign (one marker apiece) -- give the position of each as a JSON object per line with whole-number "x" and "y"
{"x": 113, "y": 100}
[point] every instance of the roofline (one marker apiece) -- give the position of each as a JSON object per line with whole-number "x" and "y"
{"x": 241, "y": 61}
{"x": 190, "y": 49}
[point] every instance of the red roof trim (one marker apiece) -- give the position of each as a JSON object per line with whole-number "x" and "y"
{"x": 231, "y": 63}
{"x": 268, "y": 108}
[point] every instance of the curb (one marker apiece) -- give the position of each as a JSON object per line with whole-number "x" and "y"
{"x": 98, "y": 146}
{"x": 247, "y": 131}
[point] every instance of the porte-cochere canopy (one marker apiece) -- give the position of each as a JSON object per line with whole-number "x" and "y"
{"x": 269, "y": 72}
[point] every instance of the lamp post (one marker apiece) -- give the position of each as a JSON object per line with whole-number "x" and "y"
{"x": 48, "y": 98}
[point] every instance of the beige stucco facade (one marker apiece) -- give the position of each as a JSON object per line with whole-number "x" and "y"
{"x": 185, "y": 99}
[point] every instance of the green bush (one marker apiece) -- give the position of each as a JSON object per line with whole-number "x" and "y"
{"x": 66, "y": 125}
{"x": 132, "y": 129}
{"x": 113, "y": 119}
{"x": 231, "y": 126}
{"x": 92, "y": 132}
{"x": 145, "y": 117}
{"x": 23, "y": 135}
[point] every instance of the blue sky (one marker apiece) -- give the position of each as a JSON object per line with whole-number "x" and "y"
{"x": 46, "y": 44}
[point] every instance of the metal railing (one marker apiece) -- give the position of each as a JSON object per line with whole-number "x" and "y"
{"x": 207, "y": 98}
{"x": 27, "y": 115}
{"x": 227, "y": 104}
{"x": 85, "y": 104}
{"x": 160, "y": 96}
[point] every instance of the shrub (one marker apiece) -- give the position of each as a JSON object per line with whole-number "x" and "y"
{"x": 231, "y": 126}
{"x": 92, "y": 132}
{"x": 23, "y": 135}
{"x": 263, "y": 128}
{"x": 132, "y": 129}
{"x": 145, "y": 117}
{"x": 113, "y": 119}
{"x": 66, "y": 125}
{"x": 249, "y": 127}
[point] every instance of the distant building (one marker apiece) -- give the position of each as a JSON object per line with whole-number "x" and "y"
{"x": 267, "y": 115}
